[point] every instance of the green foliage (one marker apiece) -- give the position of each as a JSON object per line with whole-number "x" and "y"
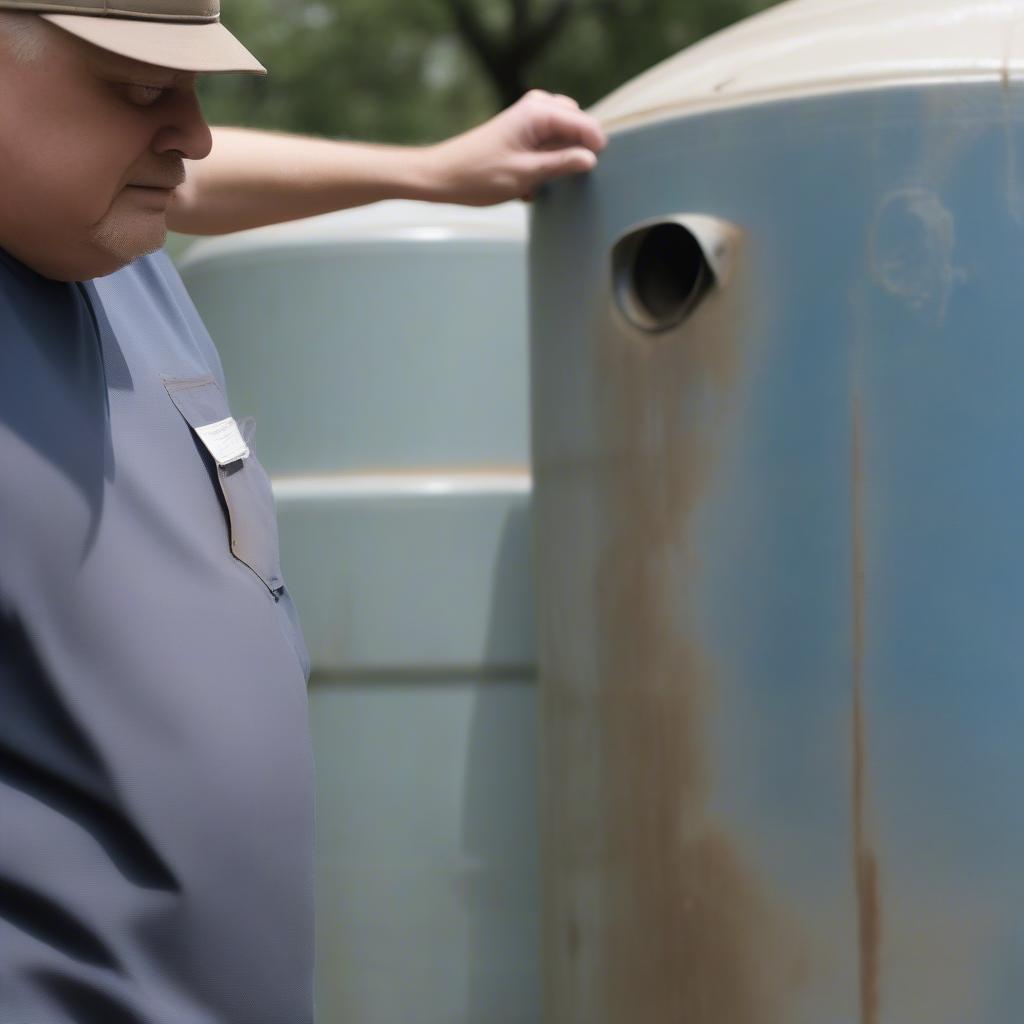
{"x": 608, "y": 44}
{"x": 374, "y": 70}
{"x": 401, "y": 70}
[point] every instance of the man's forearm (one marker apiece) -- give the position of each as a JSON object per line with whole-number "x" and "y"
{"x": 252, "y": 178}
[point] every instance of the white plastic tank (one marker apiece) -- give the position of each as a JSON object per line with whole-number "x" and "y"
{"x": 383, "y": 352}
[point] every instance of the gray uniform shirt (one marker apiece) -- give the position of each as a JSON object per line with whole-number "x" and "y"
{"x": 156, "y": 798}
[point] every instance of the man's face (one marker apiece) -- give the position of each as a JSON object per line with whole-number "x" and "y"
{"x": 91, "y": 145}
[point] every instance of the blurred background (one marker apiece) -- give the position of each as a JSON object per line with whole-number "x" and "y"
{"x": 417, "y": 71}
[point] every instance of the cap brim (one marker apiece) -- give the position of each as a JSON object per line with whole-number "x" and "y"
{"x": 205, "y": 47}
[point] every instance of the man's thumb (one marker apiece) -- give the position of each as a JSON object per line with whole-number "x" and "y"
{"x": 559, "y": 162}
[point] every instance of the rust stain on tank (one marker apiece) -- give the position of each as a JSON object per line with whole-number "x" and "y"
{"x": 687, "y": 935}
{"x": 869, "y": 908}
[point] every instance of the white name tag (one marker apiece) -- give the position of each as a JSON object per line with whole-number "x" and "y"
{"x": 224, "y": 441}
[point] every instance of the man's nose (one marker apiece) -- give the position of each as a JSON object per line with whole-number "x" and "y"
{"x": 183, "y": 127}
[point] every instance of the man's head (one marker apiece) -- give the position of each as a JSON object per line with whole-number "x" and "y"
{"x": 92, "y": 143}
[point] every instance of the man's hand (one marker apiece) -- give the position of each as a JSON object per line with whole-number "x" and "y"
{"x": 542, "y": 136}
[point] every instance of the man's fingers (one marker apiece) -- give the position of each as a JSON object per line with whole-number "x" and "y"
{"x": 541, "y": 94}
{"x": 562, "y": 125}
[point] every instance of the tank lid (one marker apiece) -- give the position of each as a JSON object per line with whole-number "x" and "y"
{"x": 389, "y": 221}
{"x": 813, "y": 47}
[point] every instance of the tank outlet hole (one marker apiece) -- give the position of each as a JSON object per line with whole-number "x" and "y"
{"x": 660, "y": 275}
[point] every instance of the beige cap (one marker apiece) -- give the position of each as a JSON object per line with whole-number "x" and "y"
{"x": 185, "y": 35}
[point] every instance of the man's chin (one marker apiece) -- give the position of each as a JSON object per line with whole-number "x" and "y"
{"x": 121, "y": 244}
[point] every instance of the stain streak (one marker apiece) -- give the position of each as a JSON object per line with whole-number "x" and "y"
{"x": 869, "y": 911}
{"x": 689, "y": 934}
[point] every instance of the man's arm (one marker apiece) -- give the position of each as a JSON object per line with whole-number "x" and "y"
{"x": 253, "y": 178}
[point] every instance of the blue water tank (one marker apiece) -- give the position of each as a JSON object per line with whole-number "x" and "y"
{"x": 778, "y": 386}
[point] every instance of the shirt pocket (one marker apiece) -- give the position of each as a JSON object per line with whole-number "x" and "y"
{"x": 243, "y": 482}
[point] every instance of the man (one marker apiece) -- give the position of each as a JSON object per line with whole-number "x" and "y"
{"x": 156, "y": 802}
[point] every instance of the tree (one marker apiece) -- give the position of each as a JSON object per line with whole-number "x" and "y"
{"x": 507, "y": 55}
{"x": 583, "y": 47}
